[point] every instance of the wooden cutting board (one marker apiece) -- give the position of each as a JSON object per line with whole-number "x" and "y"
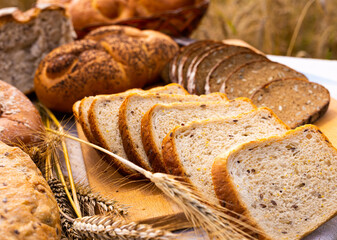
{"x": 146, "y": 202}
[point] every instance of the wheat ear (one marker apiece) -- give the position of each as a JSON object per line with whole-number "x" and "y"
{"x": 106, "y": 227}
{"x": 218, "y": 222}
{"x": 90, "y": 200}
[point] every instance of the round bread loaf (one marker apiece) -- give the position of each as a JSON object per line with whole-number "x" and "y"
{"x": 28, "y": 209}
{"x": 19, "y": 119}
{"x": 110, "y": 60}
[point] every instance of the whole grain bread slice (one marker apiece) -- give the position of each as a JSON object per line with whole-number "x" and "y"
{"x": 132, "y": 111}
{"x": 251, "y": 76}
{"x": 196, "y": 77}
{"x": 294, "y": 101}
{"x": 189, "y": 151}
{"x": 161, "y": 118}
{"x": 285, "y": 185}
{"x": 220, "y": 71}
{"x": 103, "y": 121}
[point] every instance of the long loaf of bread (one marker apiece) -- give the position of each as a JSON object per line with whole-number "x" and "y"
{"x": 110, "y": 60}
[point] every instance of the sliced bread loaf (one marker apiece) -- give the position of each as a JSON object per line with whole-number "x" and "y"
{"x": 132, "y": 111}
{"x": 198, "y": 72}
{"x": 251, "y": 76}
{"x": 103, "y": 121}
{"x": 294, "y": 101}
{"x": 161, "y": 119}
{"x": 189, "y": 151}
{"x": 285, "y": 185}
{"x": 220, "y": 71}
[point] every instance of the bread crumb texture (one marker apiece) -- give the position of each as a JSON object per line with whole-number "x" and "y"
{"x": 287, "y": 184}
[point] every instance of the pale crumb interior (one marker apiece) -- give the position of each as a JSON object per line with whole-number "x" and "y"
{"x": 289, "y": 186}
{"x": 139, "y": 105}
{"x": 165, "y": 118}
{"x": 198, "y": 144}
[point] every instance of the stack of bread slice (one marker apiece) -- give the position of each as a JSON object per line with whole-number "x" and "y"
{"x": 207, "y": 66}
{"x": 229, "y": 151}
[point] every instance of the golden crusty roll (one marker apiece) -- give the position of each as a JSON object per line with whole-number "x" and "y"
{"x": 109, "y": 60}
{"x": 19, "y": 119}
{"x": 28, "y": 209}
{"x": 86, "y": 13}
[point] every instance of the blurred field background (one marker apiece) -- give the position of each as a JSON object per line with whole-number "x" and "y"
{"x": 302, "y": 28}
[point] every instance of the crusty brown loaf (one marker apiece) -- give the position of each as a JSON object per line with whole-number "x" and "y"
{"x": 19, "y": 119}
{"x": 110, "y": 60}
{"x": 86, "y": 13}
{"x": 26, "y": 37}
{"x": 28, "y": 209}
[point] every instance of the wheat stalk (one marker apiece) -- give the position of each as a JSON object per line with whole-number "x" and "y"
{"x": 91, "y": 200}
{"x": 218, "y": 222}
{"x": 106, "y": 227}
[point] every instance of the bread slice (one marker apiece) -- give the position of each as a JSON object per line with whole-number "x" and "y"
{"x": 189, "y": 151}
{"x": 132, "y": 111}
{"x": 198, "y": 72}
{"x": 285, "y": 185}
{"x": 294, "y": 101}
{"x": 161, "y": 119}
{"x": 251, "y": 76}
{"x": 220, "y": 71}
{"x": 102, "y": 119}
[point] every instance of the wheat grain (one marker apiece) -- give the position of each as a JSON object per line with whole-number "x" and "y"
{"x": 106, "y": 227}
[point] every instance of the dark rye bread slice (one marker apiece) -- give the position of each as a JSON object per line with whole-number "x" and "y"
{"x": 189, "y": 58}
{"x": 284, "y": 185}
{"x": 294, "y": 101}
{"x": 198, "y": 72}
{"x": 173, "y": 65}
{"x": 221, "y": 71}
{"x": 251, "y": 76}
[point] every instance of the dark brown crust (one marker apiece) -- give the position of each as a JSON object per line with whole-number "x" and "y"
{"x": 121, "y": 168}
{"x": 14, "y": 14}
{"x": 87, "y": 131}
{"x": 101, "y": 64}
{"x": 20, "y": 122}
{"x": 310, "y": 118}
{"x": 150, "y": 146}
{"x": 171, "y": 160}
{"x": 128, "y": 145}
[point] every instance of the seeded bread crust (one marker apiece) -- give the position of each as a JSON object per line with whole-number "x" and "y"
{"x": 295, "y": 101}
{"x": 132, "y": 142}
{"x": 229, "y": 196}
{"x": 245, "y": 80}
{"x": 28, "y": 209}
{"x": 220, "y": 71}
{"x": 182, "y": 115}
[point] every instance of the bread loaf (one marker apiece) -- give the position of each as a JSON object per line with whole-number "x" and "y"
{"x": 285, "y": 185}
{"x": 88, "y": 13}
{"x": 161, "y": 119}
{"x": 25, "y": 38}
{"x": 28, "y": 209}
{"x": 110, "y": 60}
{"x": 20, "y": 122}
{"x": 189, "y": 151}
{"x": 133, "y": 109}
